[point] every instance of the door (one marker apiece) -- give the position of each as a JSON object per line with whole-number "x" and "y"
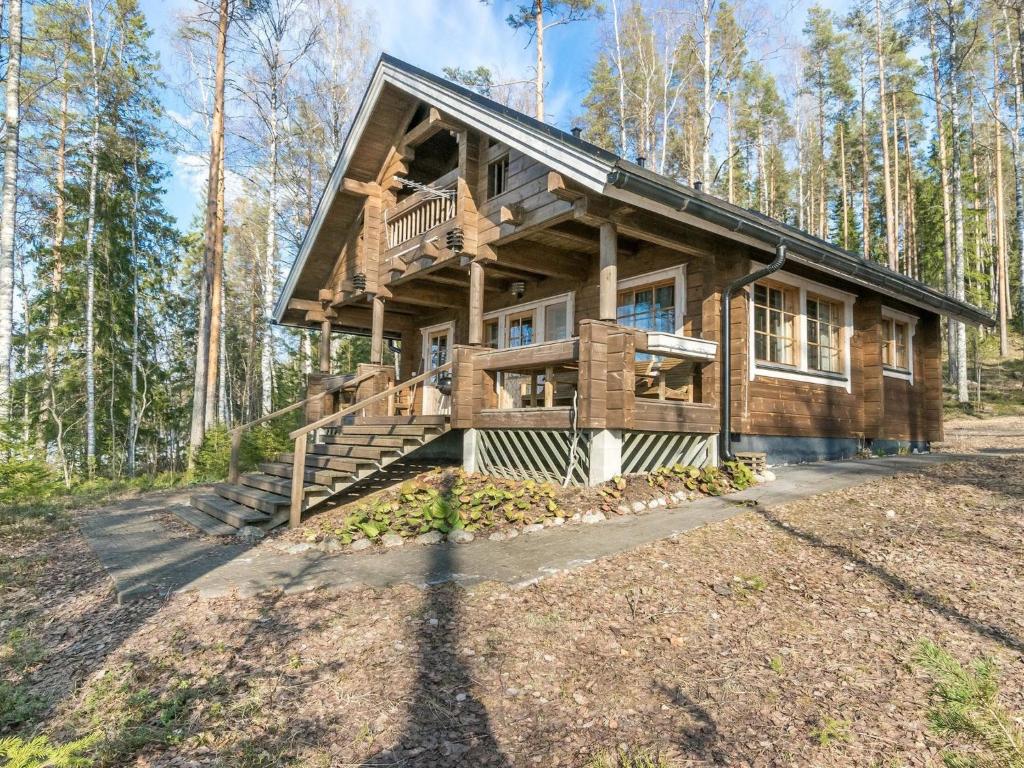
{"x": 437, "y": 345}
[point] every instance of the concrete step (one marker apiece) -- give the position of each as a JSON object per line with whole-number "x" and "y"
{"x": 202, "y": 522}
{"x": 264, "y": 501}
{"x": 227, "y": 511}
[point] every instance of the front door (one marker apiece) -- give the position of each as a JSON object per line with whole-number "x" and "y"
{"x": 437, "y": 344}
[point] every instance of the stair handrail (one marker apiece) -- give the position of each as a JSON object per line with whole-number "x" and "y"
{"x": 237, "y": 432}
{"x": 301, "y": 434}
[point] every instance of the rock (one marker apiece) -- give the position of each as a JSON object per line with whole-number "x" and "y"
{"x": 639, "y": 506}
{"x": 298, "y": 549}
{"x": 460, "y": 697}
{"x": 722, "y": 588}
{"x": 430, "y": 537}
{"x": 654, "y": 503}
{"x": 891, "y": 514}
{"x": 331, "y": 545}
{"x": 678, "y": 497}
{"x": 391, "y": 540}
{"x": 554, "y": 522}
{"x": 511, "y": 533}
{"x": 250, "y": 534}
{"x": 575, "y": 517}
{"x": 580, "y": 699}
{"x": 460, "y": 536}
{"x": 623, "y": 509}
{"x": 497, "y": 536}
{"x": 768, "y": 475}
{"x": 533, "y": 528}
{"x": 593, "y": 517}
{"x": 360, "y": 544}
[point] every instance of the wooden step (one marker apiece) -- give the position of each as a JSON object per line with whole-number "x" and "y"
{"x": 381, "y": 441}
{"x": 387, "y": 430}
{"x": 235, "y": 515}
{"x": 264, "y": 501}
{"x": 311, "y": 475}
{"x": 333, "y": 463}
{"x": 437, "y": 421}
{"x": 202, "y": 521}
{"x": 354, "y": 451}
{"x": 283, "y": 487}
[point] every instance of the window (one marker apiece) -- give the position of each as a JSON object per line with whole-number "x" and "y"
{"x": 556, "y": 321}
{"x": 548, "y": 319}
{"x": 497, "y": 176}
{"x": 774, "y": 324}
{"x": 895, "y": 343}
{"x": 824, "y": 335}
{"x": 800, "y": 330}
{"x": 519, "y": 331}
{"x": 491, "y": 335}
{"x": 649, "y": 308}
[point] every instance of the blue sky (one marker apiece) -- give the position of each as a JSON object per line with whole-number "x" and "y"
{"x": 431, "y": 34}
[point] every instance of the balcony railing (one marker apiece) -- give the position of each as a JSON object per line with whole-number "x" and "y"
{"x": 422, "y": 212}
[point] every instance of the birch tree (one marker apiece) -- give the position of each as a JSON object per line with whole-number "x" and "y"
{"x": 9, "y": 204}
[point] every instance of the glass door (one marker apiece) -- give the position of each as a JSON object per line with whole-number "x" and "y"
{"x": 437, "y": 343}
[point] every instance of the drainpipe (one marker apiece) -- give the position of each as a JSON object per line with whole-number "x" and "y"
{"x": 725, "y": 396}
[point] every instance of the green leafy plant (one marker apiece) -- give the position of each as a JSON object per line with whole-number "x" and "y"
{"x": 965, "y": 705}
{"x": 17, "y": 706}
{"x": 629, "y": 757}
{"x": 740, "y": 475}
{"x": 40, "y": 752}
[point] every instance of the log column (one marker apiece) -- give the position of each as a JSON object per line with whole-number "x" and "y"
{"x": 325, "y": 345}
{"x": 476, "y": 303}
{"x": 377, "y": 331}
{"x": 609, "y": 272}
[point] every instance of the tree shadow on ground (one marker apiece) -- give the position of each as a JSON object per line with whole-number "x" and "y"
{"x": 445, "y": 724}
{"x": 701, "y": 738}
{"x": 896, "y": 583}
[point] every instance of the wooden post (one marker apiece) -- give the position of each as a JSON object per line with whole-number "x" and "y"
{"x": 298, "y": 480}
{"x": 325, "y": 345}
{"x": 609, "y": 272}
{"x": 476, "y": 303}
{"x": 377, "y": 331}
{"x": 549, "y": 387}
{"x": 236, "y": 446}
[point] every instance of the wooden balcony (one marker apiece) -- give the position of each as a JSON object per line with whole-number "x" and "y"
{"x": 422, "y": 217}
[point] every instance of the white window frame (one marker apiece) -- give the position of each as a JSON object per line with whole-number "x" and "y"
{"x": 425, "y": 333}
{"x": 678, "y": 274}
{"x": 801, "y": 372}
{"x": 911, "y": 322}
{"x": 537, "y": 307}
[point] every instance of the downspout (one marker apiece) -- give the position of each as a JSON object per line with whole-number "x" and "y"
{"x": 725, "y": 396}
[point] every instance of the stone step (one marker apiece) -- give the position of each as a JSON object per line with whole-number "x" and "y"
{"x": 283, "y": 487}
{"x": 227, "y": 511}
{"x": 264, "y": 501}
{"x": 202, "y": 521}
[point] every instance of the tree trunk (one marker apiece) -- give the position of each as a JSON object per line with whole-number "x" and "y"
{"x": 57, "y": 251}
{"x": 959, "y": 288}
{"x": 864, "y": 161}
{"x": 270, "y": 261}
{"x": 846, "y": 191}
{"x": 12, "y": 126}
{"x": 204, "y": 342}
{"x": 90, "y": 265}
{"x": 133, "y": 414}
{"x": 705, "y": 165}
{"x": 621, "y": 78}
{"x": 890, "y": 221}
{"x": 538, "y": 16}
{"x": 1002, "y": 276}
{"x": 216, "y": 308}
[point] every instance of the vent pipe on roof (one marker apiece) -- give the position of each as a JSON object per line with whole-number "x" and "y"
{"x": 576, "y": 132}
{"x": 698, "y": 185}
{"x": 725, "y": 391}
{"x": 641, "y": 160}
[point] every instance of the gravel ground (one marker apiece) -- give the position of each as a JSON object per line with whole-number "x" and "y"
{"x": 737, "y": 644}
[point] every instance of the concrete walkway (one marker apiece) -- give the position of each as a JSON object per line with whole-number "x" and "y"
{"x": 143, "y": 555}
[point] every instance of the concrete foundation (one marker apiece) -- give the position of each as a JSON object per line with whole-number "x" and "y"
{"x": 798, "y": 450}
{"x": 605, "y": 455}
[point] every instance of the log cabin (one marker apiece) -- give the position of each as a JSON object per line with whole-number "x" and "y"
{"x": 561, "y": 313}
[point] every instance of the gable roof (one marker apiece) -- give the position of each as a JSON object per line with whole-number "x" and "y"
{"x": 604, "y": 172}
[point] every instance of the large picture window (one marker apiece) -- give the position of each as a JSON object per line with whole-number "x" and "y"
{"x": 653, "y": 301}
{"x": 800, "y": 330}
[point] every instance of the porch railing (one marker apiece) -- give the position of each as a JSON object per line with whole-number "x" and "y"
{"x": 301, "y": 435}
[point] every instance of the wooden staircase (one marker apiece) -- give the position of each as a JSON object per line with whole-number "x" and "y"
{"x": 343, "y": 456}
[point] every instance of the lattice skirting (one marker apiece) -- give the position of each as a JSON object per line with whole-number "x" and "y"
{"x": 538, "y": 454}
{"x": 644, "y": 451}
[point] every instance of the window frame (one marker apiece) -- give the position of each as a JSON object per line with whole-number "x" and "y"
{"x": 892, "y": 371}
{"x": 677, "y": 275}
{"x": 505, "y": 159}
{"x": 800, "y": 370}
{"x": 537, "y": 308}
